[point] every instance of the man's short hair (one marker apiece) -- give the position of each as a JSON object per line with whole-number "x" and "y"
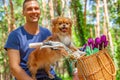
{"x": 27, "y": 1}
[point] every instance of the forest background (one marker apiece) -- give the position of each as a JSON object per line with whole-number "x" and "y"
{"x": 91, "y": 19}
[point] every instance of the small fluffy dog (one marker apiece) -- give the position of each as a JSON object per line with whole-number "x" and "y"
{"x": 43, "y": 58}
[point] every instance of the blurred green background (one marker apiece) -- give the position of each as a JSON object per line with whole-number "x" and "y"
{"x": 91, "y": 18}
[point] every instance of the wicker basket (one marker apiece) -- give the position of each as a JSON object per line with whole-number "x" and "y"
{"x": 98, "y": 66}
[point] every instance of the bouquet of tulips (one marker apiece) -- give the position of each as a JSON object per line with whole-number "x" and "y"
{"x": 94, "y": 45}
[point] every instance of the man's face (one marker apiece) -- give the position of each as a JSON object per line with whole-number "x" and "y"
{"x": 31, "y": 11}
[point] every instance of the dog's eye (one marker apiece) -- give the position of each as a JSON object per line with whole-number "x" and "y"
{"x": 60, "y": 23}
{"x": 67, "y": 23}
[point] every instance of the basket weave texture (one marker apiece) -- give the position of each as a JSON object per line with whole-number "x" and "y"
{"x": 98, "y": 66}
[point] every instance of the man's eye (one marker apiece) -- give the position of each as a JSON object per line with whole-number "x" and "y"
{"x": 29, "y": 9}
{"x": 36, "y": 8}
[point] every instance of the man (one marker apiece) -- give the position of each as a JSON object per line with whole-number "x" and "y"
{"x": 19, "y": 39}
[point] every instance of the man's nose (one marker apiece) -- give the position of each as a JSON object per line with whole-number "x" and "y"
{"x": 33, "y": 10}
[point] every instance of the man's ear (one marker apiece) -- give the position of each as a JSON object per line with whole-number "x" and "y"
{"x": 23, "y": 10}
{"x": 23, "y": 13}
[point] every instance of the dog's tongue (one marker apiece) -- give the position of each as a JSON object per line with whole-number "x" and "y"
{"x": 64, "y": 30}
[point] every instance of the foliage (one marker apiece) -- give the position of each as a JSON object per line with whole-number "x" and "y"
{"x": 80, "y": 30}
{"x": 117, "y": 51}
{"x": 114, "y": 11}
{"x": 115, "y": 18}
{"x": 69, "y": 65}
{"x": 118, "y": 75}
{"x": 57, "y": 7}
{"x": 65, "y": 76}
{"x": 3, "y": 33}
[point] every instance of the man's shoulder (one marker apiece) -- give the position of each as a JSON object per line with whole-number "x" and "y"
{"x": 17, "y": 31}
{"x": 45, "y": 30}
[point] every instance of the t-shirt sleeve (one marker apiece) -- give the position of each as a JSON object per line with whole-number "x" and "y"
{"x": 12, "y": 41}
{"x": 48, "y": 32}
{"x": 45, "y": 33}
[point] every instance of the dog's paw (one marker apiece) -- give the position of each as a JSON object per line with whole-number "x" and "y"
{"x": 34, "y": 78}
{"x": 51, "y": 76}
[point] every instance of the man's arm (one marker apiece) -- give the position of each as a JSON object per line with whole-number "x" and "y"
{"x": 14, "y": 62}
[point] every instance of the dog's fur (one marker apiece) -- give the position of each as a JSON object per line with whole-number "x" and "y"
{"x": 43, "y": 58}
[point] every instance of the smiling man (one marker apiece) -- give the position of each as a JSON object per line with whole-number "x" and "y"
{"x": 17, "y": 44}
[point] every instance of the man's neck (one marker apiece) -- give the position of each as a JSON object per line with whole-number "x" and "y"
{"x": 32, "y": 28}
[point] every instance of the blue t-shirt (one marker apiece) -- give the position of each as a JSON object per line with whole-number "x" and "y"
{"x": 19, "y": 39}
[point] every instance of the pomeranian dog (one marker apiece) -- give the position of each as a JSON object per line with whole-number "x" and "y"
{"x": 43, "y": 58}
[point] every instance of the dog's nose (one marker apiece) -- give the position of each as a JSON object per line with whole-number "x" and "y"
{"x": 64, "y": 25}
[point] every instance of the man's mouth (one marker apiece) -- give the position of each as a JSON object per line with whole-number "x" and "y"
{"x": 34, "y": 17}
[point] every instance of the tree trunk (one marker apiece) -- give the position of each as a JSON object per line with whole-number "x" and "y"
{"x": 98, "y": 19}
{"x": 12, "y": 24}
{"x": 108, "y": 29}
{"x": 44, "y": 19}
{"x": 91, "y": 32}
{"x": 6, "y": 15}
{"x": 10, "y": 18}
{"x": 63, "y": 7}
{"x": 85, "y": 13}
{"x": 51, "y": 9}
{"x": 104, "y": 25}
{"x": 69, "y": 14}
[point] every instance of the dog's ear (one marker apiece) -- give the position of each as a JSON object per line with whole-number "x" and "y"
{"x": 53, "y": 24}
{"x": 54, "y": 21}
{"x": 70, "y": 21}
